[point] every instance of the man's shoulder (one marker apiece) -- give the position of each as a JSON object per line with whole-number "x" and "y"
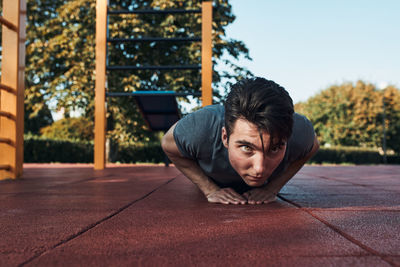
{"x": 302, "y": 139}
{"x": 301, "y": 125}
{"x": 297, "y": 117}
{"x": 198, "y": 133}
{"x": 209, "y": 116}
{"x": 212, "y": 110}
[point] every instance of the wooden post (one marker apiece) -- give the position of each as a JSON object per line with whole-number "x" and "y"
{"x": 21, "y": 87}
{"x": 12, "y": 89}
{"x": 206, "y": 53}
{"x": 100, "y": 94}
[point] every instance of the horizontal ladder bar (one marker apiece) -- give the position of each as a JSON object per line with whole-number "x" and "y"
{"x": 154, "y": 39}
{"x": 154, "y": 11}
{"x": 152, "y": 93}
{"x": 167, "y": 67}
{"x": 5, "y": 167}
{"x": 6, "y": 141}
{"x": 8, "y": 24}
{"x": 8, "y": 115}
{"x": 7, "y": 88}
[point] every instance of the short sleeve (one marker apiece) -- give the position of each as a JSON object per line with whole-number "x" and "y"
{"x": 195, "y": 133}
{"x": 302, "y": 140}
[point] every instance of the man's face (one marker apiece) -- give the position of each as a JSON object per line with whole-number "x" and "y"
{"x": 246, "y": 153}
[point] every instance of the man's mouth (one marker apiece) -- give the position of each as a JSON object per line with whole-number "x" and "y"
{"x": 254, "y": 178}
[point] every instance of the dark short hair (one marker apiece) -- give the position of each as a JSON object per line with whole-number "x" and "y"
{"x": 263, "y": 103}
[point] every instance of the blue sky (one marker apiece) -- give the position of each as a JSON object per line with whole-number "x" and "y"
{"x": 308, "y": 45}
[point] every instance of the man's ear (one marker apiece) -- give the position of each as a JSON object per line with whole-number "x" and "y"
{"x": 224, "y": 137}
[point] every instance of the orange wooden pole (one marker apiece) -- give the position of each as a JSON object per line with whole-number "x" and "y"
{"x": 12, "y": 89}
{"x": 100, "y": 86}
{"x": 21, "y": 87}
{"x": 206, "y": 53}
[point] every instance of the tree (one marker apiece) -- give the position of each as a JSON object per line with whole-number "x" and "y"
{"x": 61, "y": 56}
{"x": 34, "y": 121}
{"x": 69, "y": 128}
{"x": 37, "y": 112}
{"x": 392, "y": 117}
{"x": 351, "y": 115}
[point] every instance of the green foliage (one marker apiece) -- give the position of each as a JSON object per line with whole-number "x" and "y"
{"x": 57, "y": 67}
{"x": 393, "y": 159}
{"x": 392, "y": 117}
{"x": 149, "y": 152}
{"x": 351, "y": 115}
{"x": 69, "y": 128}
{"x": 41, "y": 150}
{"x": 34, "y": 121}
{"x": 61, "y": 56}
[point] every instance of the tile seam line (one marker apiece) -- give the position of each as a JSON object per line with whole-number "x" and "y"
{"x": 340, "y": 232}
{"x": 93, "y": 225}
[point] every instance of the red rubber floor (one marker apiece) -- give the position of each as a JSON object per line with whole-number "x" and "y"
{"x": 138, "y": 215}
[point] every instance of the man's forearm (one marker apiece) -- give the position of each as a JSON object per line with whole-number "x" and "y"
{"x": 213, "y": 192}
{"x": 276, "y": 184}
{"x": 192, "y": 170}
{"x": 188, "y": 167}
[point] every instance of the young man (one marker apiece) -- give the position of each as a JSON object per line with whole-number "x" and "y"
{"x": 248, "y": 149}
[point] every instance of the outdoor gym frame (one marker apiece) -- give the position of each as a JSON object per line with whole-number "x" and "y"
{"x": 12, "y": 88}
{"x": 12, "y": 84}
{"x": 101, "y": 65}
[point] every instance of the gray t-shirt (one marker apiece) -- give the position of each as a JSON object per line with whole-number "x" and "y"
{"x": 198, "y": 137}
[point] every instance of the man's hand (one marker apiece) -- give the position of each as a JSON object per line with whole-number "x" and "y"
{"x": 259, "y": 195}
{"x": 226, "y": 196}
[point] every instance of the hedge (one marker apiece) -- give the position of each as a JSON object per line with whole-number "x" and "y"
{"x": 39, "y": 150}
{"x": 351, "y": 155}
{"x": 151, "y": 153}
{"x": 67, "y": 151}
{"x": 42, "y": 150}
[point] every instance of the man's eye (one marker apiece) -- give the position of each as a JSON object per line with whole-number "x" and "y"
{"x": 245, "y": 149}
{"x": 275, "y": 149}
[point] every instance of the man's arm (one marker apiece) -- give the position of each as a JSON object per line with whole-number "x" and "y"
{"x": 269, "y": 191}
{"x": 192, "y": 170}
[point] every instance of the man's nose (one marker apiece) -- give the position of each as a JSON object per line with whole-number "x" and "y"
{"x": 259, "y": 164}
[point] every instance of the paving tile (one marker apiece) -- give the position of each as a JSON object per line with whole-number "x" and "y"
{"x": 387, "y": 201}
{"x": 56, "y": 204}
{"x": 364, "y": 174}
{"x": 374, "y": 181}
{"x": 333, "y": 189}
{"x": 299, "y": 179}
{"x": 394, "y": 260}
{"x": 242, "y": 258}
{"x": 57, "y": 175}
{"x": 389, "y": 188}
{"x": 310, "y": 191}
{"x": 176, "y": 225}
{"x": 34, "y": 221}
{"x": 379, "y": 230}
